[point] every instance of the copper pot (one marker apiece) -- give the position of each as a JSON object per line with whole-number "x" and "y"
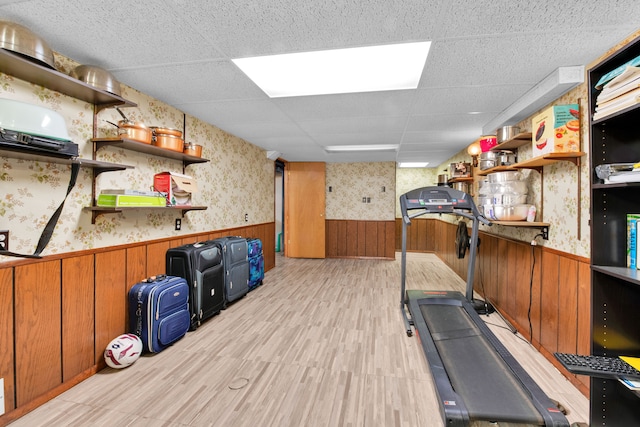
{"x": 157, "y": 130}
{"x": 169, "y": 142}
{"x": 135, "y": 131}
{"x": 193, "y": 149}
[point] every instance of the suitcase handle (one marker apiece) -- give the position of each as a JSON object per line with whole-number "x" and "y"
{"x": 155, "y": 278}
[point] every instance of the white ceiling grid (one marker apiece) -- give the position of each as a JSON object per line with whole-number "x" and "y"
{"x": 485, "y": 54}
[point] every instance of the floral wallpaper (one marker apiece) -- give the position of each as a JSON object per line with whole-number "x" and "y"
{"x": 560, "y": 194}
{"x": 352, "y": 182}
{"x": 237, "y": 181}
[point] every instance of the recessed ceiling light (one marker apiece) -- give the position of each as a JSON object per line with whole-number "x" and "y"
{"x": 375, "y": 147}
{"x": 364, "y": 69}
{"x": 412, "y": 164}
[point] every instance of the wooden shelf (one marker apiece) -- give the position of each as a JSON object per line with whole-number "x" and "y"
{"x": 624, "y": 273}
{"x": 462, "y": 179}
{"x": 97, "y": 165}
{"x": 24, "y": 69}
{"x": 517, "y": 141}
{"x": 538, "y": 163}
{"x": 497, "y": 169}
{"x": 543, "y": 226}
{"x": 96, "y": 211}
{"x": 547, "y": 159}
{"x": 141, "y": 147}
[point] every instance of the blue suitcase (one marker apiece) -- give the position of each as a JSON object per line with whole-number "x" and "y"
{"x": 256, "y": 262}
{"x": 159, "y": 311}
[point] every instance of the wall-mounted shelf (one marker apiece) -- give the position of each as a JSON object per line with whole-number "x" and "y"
{"x": 537, "y": 163}
{"x": 97, "y": 166}
{"x": 543, "y": 226}
{"x": 24, "y": 69}
{"x": 517, "y": 141}
{"x": 96, "y": 211}
{"x": 141, "y": 147}
{"x": 462, "y": 179}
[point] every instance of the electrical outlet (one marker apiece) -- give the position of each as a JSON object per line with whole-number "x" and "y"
{"x": 178, "y": 224}
{"x": 4, "y": 240}
{"x": 246, "y": 217}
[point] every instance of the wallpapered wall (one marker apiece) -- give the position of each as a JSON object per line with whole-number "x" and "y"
{"x": 562, "y": 201}
{"x": 238, "y": 180}
{"x": 351, "y": 182}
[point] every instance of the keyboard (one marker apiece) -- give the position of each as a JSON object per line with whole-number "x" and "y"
{"x": 598, "y": 366}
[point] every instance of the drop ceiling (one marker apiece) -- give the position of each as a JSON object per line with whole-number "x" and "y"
{"x": 484, "y": 56}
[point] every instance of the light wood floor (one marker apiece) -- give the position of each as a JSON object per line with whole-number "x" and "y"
{"x": 321, "y": 343}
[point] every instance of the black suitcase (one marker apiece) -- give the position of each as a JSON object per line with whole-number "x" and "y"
{"x": 235, "y": 258}
{"x": 159, "y": 311}
{"x": 201, "y": 265}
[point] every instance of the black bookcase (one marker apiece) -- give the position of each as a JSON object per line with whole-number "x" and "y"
{"x": 615, "y": 289}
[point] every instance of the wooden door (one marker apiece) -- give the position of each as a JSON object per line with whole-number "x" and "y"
{"x": 304, "y": 201}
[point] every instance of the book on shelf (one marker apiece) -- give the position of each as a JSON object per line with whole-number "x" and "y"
{"x": 632, "y": 176}
{"x": 630, "y": 384}
{"x": 616, "y": 72}
{"x": 619, "y": 106}
{"x": 622, "y": 91}
{"x": 623, "y": 98}
{"x": 608, "y": 95}
{"x": 629, "y": 74}
{"x": 632, "y": 240}
{"x": 128, "y": 192}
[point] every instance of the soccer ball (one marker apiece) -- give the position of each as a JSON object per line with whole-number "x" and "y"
{"x": 123, "y": 351}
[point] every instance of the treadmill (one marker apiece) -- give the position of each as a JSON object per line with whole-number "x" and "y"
{"x": 477, "y": 380}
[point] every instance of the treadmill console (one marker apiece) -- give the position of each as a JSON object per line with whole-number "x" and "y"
{"x": 436, "y": 199}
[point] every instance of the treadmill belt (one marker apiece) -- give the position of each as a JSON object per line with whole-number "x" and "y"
{"x": 477, "y": 373}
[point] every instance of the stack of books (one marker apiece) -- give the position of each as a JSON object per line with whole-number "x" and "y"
{"x": 632, "y": 240}
{"x": 621, "y": 92}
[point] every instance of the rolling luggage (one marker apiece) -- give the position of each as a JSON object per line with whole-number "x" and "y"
{"x": 159, "y": 311}
{"x": 201, "y": 265}
{"x": 235, "y": 258}
{"x": 256, "y": 262}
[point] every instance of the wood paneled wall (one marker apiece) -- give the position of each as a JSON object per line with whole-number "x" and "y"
{"x": 360, "y": 239}
{"x": 58, "y": 314}
{"x": 545, "y": 294}
{"x": 419, "y": 235}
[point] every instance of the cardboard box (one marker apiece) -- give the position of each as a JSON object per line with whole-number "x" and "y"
{"x": 122, "y": 200}
{"x": 177, "y": 187}
{"x": 556, "y": 130}
{"x": 460, "y": 170}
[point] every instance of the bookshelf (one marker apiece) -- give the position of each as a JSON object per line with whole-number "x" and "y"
{"x": 615, "y": 288}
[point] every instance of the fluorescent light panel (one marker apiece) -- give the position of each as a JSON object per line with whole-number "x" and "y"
{"x": 548, "y": 90}
{"x": 364, "y": 69}
{"x": 376, "y": 147}
{"x": 413, "y": 164}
